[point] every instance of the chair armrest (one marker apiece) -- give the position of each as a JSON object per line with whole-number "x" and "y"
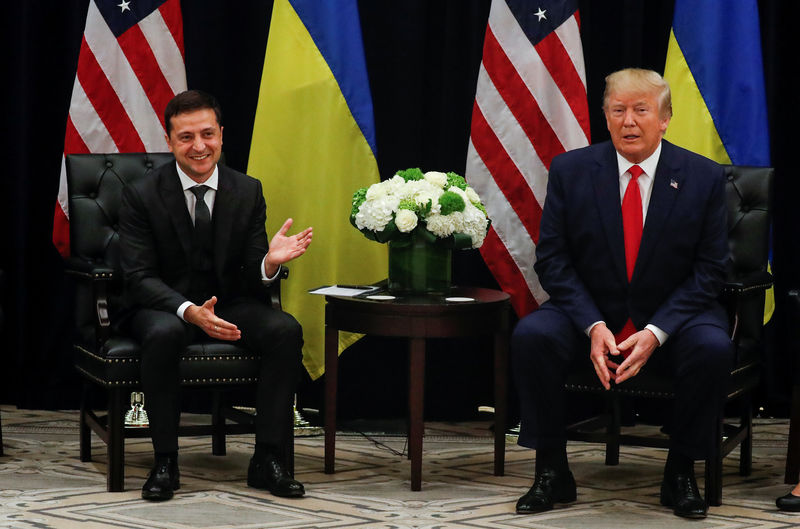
{"x": 274, "y": 288}
{"x": 740, "y": 296}
{"x": 754, "y": 283}
{"x": 97, "y": 277}
{"x": 84, "y": 269}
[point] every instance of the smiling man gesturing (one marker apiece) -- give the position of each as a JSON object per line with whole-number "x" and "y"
{"x": 194, "y": 255}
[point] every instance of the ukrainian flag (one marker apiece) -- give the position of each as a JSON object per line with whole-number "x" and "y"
{"x": 716, "y": 75}
{"x": 313, "y": 145}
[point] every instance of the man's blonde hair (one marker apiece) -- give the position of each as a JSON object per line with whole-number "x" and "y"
{"x": 640, "y": 80}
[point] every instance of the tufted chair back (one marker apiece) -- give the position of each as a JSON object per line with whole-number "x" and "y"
{"x": 95, "y": 183}
{"x": 95, "y": 188}
{"x": 748, "y": 193}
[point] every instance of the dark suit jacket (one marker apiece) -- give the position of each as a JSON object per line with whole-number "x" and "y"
{"x": 580, "y": 257}
{"x": 156, "y": 233}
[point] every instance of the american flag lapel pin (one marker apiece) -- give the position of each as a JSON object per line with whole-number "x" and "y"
{"x": 673, "y": 184}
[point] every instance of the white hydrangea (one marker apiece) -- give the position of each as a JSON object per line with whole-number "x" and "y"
{"x": 441, "y": 225}
{"x": 422, "y": 192}
{"x": 475, "y": 224}
{"x": 436, "y": 178}
{"x": 406, "y": 220}
{"x": 375, "y": 214}
{"x": 395, "y": 185}
{"x": 378, "y": 191}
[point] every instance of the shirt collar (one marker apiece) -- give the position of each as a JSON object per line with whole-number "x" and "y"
{"x": 648, "y": 165}
{"x": 186, "y": 182}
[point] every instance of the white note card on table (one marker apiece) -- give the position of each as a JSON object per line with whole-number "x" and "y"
{"x": 344, "y": 290}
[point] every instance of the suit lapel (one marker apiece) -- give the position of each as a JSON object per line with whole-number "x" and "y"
{"x": 175, "y": 202}
{"x": 223, "y": 215}
{"x": 606, "y": 188}
{"x": 666, "y": 186}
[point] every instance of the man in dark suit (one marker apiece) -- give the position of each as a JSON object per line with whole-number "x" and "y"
{"x": 633, "y": 264}
{"x": 194, "y": 255}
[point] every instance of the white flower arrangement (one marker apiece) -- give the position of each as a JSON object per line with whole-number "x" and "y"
{"x": 438, "y": 206}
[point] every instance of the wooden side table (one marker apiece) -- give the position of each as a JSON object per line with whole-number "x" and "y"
{"x": 418, "y": 318}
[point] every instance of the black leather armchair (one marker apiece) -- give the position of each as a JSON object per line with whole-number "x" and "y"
{"x": 2, "y": 285}
{"x": 109, "y": 360}
{"x": 792, "y": 471}
{"x": 748, "y": 196}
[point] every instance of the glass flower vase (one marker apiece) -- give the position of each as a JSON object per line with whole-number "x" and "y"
{"x": 419, "y": 267}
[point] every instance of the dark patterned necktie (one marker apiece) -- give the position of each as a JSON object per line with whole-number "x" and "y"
{"x": 202, "y": 218}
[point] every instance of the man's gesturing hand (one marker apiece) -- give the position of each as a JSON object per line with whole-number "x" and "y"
{"x": 603, "y": 344}
{"x": 641, "y": 345}
{"x": 283, "y": 248}
{"x": 203, "y": 316}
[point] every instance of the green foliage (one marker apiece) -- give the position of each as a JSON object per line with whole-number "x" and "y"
{"x": 425, "y": 209}
{"x": 451, "y": 202}
{"x": 358, "y": 198}
{"x": 454, "y": 179}
{"x": 388, "y": 233}
{"x": 411, "y": 174}
{"x": 410, "y": 204}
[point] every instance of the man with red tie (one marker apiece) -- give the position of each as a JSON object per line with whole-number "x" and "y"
{"x": 632, "y": 251}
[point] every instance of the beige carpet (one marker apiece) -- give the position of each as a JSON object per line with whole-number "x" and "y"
{"x": 43, "y": 484}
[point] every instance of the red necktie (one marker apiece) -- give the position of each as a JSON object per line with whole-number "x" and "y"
{"x": 632, "y": 222}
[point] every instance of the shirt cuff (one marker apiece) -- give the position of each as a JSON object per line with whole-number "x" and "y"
{"x": 661, "y": 336}
{"x": 590, "y": 327}
{"x": 267, "y": 280}
{"x": 185, "y": 305}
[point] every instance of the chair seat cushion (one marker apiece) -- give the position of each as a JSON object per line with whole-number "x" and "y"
{"x": 653, "y": 385}
{"x": 117, "y": 363}
{"x": 658, "y": 385}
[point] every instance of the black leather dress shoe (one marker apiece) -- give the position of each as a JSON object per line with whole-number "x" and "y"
{"x": 549, "y": 487}
{"x": 268, "y": 473}
{"x": 680, "y": 492}
{"x": 789, "y": 503}
{"x": 163, "y": 480}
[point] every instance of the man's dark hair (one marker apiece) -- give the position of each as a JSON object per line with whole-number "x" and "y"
{"x": 189, "y": 101}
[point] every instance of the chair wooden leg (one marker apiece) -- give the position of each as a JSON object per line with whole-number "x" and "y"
{"x": 115, "y": 475}
{"x": 793, "y": 450}
{"x": 613, "y": 431}
{"x": 714, "y": 469}
{"x": 290, "y": 442}
{"x": 84, "y": 432}
{"x": 500, "y": 400}
{"x": 218, "y": 447}
{"x": 746, "y": 449}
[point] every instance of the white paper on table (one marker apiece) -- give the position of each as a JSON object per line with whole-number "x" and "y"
{"x": 348, "y": 291}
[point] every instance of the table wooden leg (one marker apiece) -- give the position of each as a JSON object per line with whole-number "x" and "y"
{"x": 331, "y": 380}
{"x": 793, "y": 449}
{"x": 500, "y": 401}
{"x": 416, "y": 398}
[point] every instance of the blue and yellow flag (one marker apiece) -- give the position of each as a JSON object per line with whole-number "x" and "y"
{"x": 314, "y": 145}
{"x": 715, "y": 71}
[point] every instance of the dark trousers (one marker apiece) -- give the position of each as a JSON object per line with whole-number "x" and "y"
{"x": 273, "y": 334}
{"x": 545, "y": 345}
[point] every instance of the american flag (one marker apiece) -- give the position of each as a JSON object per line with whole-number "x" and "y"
{"x": 130, "y": 65}
{"x": 530, "y": 105}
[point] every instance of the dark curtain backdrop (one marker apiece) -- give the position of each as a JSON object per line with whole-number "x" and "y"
{"x": 422, "y": 59}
